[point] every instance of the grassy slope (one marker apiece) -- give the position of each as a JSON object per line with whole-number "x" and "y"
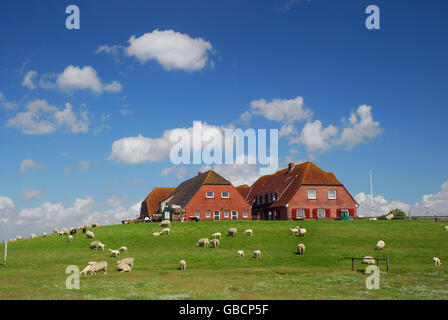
{"x": 36, "y": 267}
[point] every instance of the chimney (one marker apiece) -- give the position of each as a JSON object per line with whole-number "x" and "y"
{"x": 290, "y": 166}
{"x": 199, "y": 173}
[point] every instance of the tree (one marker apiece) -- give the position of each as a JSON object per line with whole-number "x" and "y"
{"x": 397, "y": 212}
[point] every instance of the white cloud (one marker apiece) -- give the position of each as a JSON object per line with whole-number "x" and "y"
{"x": 286, "y": 130}
{"x": 8, "y": 105}
{"x": 114, "y": 86}
{"x": 173, "y": 50}
{"x": 28, "y": 164}
{"x": 84, "y": 165}
{"x": 28, "y": 80}
{"x": 315, "y": 138}
{"x": 434, "y": 203}
{"x": 31, "y": 194}
{"x": 76, "y": 78}
{"x": 114, "y": 201}
{"x": 381, "y": 205}
{"x": 178, "y": 171}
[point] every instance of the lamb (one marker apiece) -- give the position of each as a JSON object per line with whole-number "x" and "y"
{"x": 44, "y": 234}
{"x": 240, "y": 254}
{"x": 95, "y": 224}
{"x": 156, "y": 234}
{"x": 302, "y": 232}
{"x": 33, "y": 235}
{"x": 436, "y": 261}
{"x": 99, "y": 266}
{"x": 301, "y": 249}
{"x": 128, "y": 261}
{"x": 216, "y": 235}
{"x": 214, "y": 242}
{"x": 294, "y": 231}
{"x": 257, "y": 254}
{"x": 123, "y": 267}
{"x": 380, "y": 245}
{"x": 70, "y": 238}
{"x": 55, "y": 230}
{"x": 389, "y": 216}
{"x": 202, "y": 242}
{"x": 19, "y": 238}
{"x": 114, "y": 253}
{"x": 232, "y": 232}
{"x": 123, "y": 249}
{"x": 368, "y": 260}
{"x": 94, "y": 244}
{"x": 165, "y": 223}
{"x": 166, "y": 230}
{"x": 248, "y": 232}
{"x": 183, "y": 265}
{"x": 90, "y": 234}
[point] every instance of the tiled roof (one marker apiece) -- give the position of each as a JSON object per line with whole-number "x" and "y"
{"x": 286, "y": 182}
{"x": 243, "y": 190}
{"x": 154, "y": 198}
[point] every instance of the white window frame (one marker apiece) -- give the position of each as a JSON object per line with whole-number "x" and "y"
{"x": 315, "y": 194}
{"x": 214, "y": 215}
{"x": 226, "y": 214}
{"x": 234, "y": 215}
{"x": 228, "y": 194}
{"x": 212, "y": 196}
{"x": 245, "y": 214}
{"x": 319, "y": 213}
{"x": 335, "y": 194}
{"x": 197, "y": 213}
{"x": 208, "y": 213}
{"x": 299, "y": 216}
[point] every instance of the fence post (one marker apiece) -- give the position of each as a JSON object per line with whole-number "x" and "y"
{"x": 387, "y": 263}
{"x": 6, "y": 251}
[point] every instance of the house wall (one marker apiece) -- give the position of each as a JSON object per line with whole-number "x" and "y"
{"x": 201, "y": 203}
{"x": 343, "y": 201}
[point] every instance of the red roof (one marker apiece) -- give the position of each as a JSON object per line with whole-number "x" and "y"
{"x": 243, "y": 190}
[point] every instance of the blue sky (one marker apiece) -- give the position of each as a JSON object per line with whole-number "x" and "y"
{"x": 318, "y": 50}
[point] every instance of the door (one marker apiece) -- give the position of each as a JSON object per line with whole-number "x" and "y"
{"x": 217, "y": 215}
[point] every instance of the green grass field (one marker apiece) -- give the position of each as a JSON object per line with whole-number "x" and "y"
{"x": 36, "y": 267}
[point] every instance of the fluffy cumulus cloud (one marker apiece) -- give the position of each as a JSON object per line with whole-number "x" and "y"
{"x": 114, "y": 201}
{"x": 178, "y": 171}
{"x": 40, "y": 117}
{"x": 29, "y": 164}
{"x": 115, "y": 86}
{"x": 28, "y": 80}
{"x": 380, "y": 204}
{"x": 31, "y": 194}
{"x": 316, "y": 138}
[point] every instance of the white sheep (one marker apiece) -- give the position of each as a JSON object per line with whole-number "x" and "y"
{"x": 70, "y": 238}
{"x": 248, "y": 232}
{"x": 33, "y": 235}
{"x": 294, "y": 231}
{"x": 61, "y": 233}
{"x": 240, "y": 254}
{"x": 257, "y": 254}
{"x": 44, "y": 234}
{"x": 446, "y": 228}
{"x": 214, "y": 242}
{"x": 156, "y": 234}
{"x": 373, "y": 219}
{"x": 55, "y": 230}
{"x": 71, "y": 229}
{"x": 11, "y": 240}
{"x": 90, "y": 234}
{"x": 100, "y": 246}
{"x": 65, "y": 231}
{"x": 183, "y": 265}
{"x": 94, "y": 244}
{"x": 128, "y": 261}
{"x": 86, "y": 270}
{"x": 202, "y": 242}
{"x": 368, "y": 260}
{"x": 114, "y": 253}
{"x": 95, "y": 224}
{"x": 123, "y": 267}
{"x": 232, "y": 232}
{"x": 166, "y": 230}
{"x": 165, "y": 223}
{"x": 380, "y": 245}
{"x": 216, "y": 235}
{"x": 301, "y": 249}
{"x": 123, "y": 249}
{"x": 302, "y": 232}
{"x": 389, "y": 216}
{"x": 99, "y": 266}
{"x": 436, "y": 261}
{"x": 19, "y": 238}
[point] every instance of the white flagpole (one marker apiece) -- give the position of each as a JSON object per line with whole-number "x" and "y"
{"x": 371, "y": 192}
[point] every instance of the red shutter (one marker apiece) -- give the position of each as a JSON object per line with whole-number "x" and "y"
{"x": 338, "y": 213}
{"x": 351, "y": 212}
{"x": 327, "y": 213}
{"x": 307, "y": 213}
{"x": 314, "y": 213}
{"x": 293, "y": 214}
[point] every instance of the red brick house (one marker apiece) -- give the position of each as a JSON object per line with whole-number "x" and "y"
{"x": 302, "y": 191}
{"x": 208, "y": 196}
{"x": 151, "y": 204}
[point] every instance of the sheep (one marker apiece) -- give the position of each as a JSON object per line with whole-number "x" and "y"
{"x": 123, "y": 249}
{"x": 389, "y": 216}
{"x": 44, "y": 234}
{"x": 436, "y": 261}
{"x": 257, "y": 254}
{"x": 114, "y": 253}
{"x": 19, "y": 238}
{"x": 300, "y": 249}
{"x": 84, "y": 229}
{"x": 100, "y": 246}
{"x": 202, "y": 242}
{"x": 65, "y": 231}
{"x": 446, "y": 228}
{"x": 55, "y": 230}
{"x": 214, "y": 242}
{"x": 294, "y": 231}
{"x": 156, "y": 234}
{"x": 94, "y": 244}
{"x": 70, "y": 229}
{"x": 73, "y": 231}
{"x": 302, "y": 232}
{"x": 70, "y": 238}
{"x": 33, "y": 235}
{"x": 373, "y": 219}
{"x": 128, "y": 261}
{"x": 216, "y": 235}
{"x": 86, "y": 270}
{"x": 123, "y": 267}
{"x": 99, "y": 266}
{"x": 368, "y": 260}
{"x": 91, "y": 263}
{"x": 11, "y": 240}
{"x": 232, "y": 232}
{"x": 240, "y": 254}
{"x": 165, "y": 223}
{"x": 183, "y": 265}
{"x": 166, "y": 230}
{"x": 61, "y": 233}
{"x": 380, "y": 245}
{"x": 95, "y": 224}
{"x": 90, "y": 234}
{"x": 248, "y": 232}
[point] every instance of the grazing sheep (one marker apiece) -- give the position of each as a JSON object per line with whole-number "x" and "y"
{"x": 91, "y": 263}
{"x": 44, "y": 234}
{"x": 240, "y": 254}
{"x": 257, "y": 254}
{"x": 123, "y": 267}
{"x": 70, "y": 229}
{"x": 94, "y": 244}
{"x": 216, "y": 235}
{"x": 436, "y": 261}
{"x": 214, "y": 242}
{"x": 183, "y": 265}
{"x": 368, "y": 260}
{"x": 19, "y": 238}
{"x": 294, "y": 231}
{"x": 389, "y": 216}
{"x": 100, "y": 246}
{"x": 248, "y": 232}
{"x": 84, "y": 229}
{"x": 90, "y": 234}
{"x": 166, "y": 230}
{"x": 99, "y": 266}
{"x": 86, "y": 270}
{"x": 202, "y": 242}
{"x": 302, "y": 232}
{"x": 61, "y": 233}
{"x": 70, "y": 238}
{"x": 301, "y": 249}
{"x": 33, "y": 235}
{"x": 156, "y": 234}
{"x": 380, "y": 245}
{"x": 165, "y": 223}
{"x": 55, "y": 230}
{"x": 232, "y": 232}
{"x": 73, "y": 231}
{"x": 114, "y": 253}
{"x": 95, "y": 224}
{"x": 128, "y": 261}
{"x": 123, "y": 249}
{"x": 446, "y": 228}
{"x": 65, "y": 231}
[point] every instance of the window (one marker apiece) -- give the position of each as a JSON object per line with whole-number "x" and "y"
{"x": 321, "y": 213}
{"x": 266, "y": 198}
{"x": 226, "y": 214}
{"x": 209, "y": 194}
{"x": 225, "y": 194}
{"x": 217, "y": 215}
{"x": 300, "y": 213}
{"x": 245, "y": 214}
{"x": 331, "y": 194}
{"x": 234, "y": 215}
{"x": 197, "y": 213}
{"x": 207, "y": 214}
{"x": 312, "y": 194}
{"x": 274, "y": 197}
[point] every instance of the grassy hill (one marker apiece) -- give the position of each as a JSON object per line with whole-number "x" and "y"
{"x": 36, "y": 267}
